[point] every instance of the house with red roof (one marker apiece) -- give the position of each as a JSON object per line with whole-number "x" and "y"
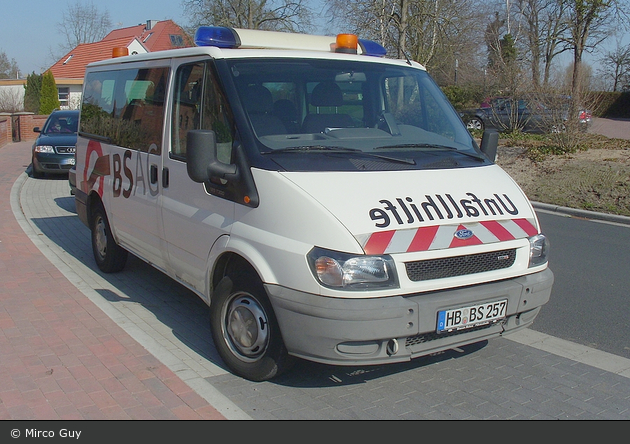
{"x": 151, "y": 36}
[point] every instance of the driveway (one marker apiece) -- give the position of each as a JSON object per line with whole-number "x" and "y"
{"x": 613, "y": 128}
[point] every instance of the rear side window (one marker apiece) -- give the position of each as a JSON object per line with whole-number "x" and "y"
{"x": 125, "y": 107}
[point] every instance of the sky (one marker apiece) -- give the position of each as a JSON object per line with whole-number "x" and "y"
{"x": 29, "y": 31}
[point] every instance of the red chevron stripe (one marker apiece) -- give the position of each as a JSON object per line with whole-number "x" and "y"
{"x": 378, "y": 242}
{"x": 423, "y": 238}
{"x": 498, "y": 230}
{"x": 526, "y": 226}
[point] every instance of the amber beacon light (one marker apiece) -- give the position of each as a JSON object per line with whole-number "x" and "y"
{"x": 347, "y": 43}
{"x": 119, "y": 51}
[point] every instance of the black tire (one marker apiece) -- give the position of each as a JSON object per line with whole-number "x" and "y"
{"x": 109, "y": 256}
{"x": 475, "y": 123}
{"x": 245, "y": 330}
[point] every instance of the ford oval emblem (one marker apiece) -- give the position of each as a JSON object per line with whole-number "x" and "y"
{"x": 463, "y": 234}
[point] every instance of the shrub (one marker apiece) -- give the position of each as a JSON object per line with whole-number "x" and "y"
{"x": 49, "y": 100}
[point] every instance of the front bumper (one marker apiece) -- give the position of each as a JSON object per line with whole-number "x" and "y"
{"x": 53, "y": 163}
{"x": 399, "y": 328}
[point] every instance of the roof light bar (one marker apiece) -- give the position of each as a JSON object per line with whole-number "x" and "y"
{"x": 223, "y": 37}
{"x": 218, "y": 36}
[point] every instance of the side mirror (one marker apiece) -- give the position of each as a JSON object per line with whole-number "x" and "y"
{"x": 201, "y": 157}
{"x": 490, "y": 144}
{"x": 37, "y": 130}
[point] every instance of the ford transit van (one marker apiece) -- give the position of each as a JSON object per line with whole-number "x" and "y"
{"x": 325, "y": 201}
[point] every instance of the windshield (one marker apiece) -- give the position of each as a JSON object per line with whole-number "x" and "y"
{"x": 337, "y": 107}
{"x": 61, "y": 124}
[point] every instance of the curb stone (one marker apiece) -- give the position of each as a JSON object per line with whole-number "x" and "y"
{"x": 624, "y": 220}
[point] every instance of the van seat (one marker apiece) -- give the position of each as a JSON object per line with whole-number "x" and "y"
{"x": 258, "y": 103}
{"x": 326, "y": 94}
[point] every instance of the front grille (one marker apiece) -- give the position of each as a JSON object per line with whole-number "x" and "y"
{"x": 66, "y": 149}
{"x": 460, "y": 265}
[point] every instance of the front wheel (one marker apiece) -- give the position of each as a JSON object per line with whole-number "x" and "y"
{"x": 109, "y": 256}
{"x": 245, "y": 329}
{"x": 475, "y": 123}
{"x": 35, "y": 172}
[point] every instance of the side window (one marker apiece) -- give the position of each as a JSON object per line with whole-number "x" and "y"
{"x": 199, "y": 104}
{"x": 126, "y": 107}
{"x": 186, "y": 106}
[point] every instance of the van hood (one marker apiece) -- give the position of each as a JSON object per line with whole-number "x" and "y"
{"x": 409, "y": 211}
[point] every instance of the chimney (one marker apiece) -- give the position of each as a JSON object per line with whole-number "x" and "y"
{"x": 151, "y": 24}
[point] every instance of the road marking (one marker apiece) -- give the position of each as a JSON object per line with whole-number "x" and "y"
{"x": 570, "y": 350}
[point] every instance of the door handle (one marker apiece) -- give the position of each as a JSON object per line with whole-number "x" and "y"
{"x": 165, "y": 177}
{"x": 153, "y": 174}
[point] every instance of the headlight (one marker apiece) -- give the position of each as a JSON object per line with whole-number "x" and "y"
{"x": 350, "y": 272}
{"x": 44, "y": 149}
{"x": 538, "y": 250}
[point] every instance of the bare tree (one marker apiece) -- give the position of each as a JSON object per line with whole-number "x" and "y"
{"x": 589, "y": 23}
{"x": 440, "y": 34}
{"x": 83, "y": 23}
{"x": 544, "y": 26}
{"x": 276, "y": 15}
{"x": 8, "y": 68}
{"x": 11, "y": 100}
{"x": 616, "y": 66}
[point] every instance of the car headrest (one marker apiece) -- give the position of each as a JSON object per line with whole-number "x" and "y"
{"x": 327, "y": 94}
{"x": 258, "y": 99}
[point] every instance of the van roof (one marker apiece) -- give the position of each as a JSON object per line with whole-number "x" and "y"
{"x": 223, "y": 43}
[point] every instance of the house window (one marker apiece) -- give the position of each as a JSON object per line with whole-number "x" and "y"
{"x": 177, "y": 40}
{"x": 64, "y": 96}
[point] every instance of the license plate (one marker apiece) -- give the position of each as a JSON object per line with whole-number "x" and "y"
{"x": 471, "y": 316}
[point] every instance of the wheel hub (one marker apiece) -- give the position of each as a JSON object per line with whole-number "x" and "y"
{"x": 246, "y": 328}
{"x": 100, "y": 237}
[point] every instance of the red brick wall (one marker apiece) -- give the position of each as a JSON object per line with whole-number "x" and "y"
{"x": 5, "y": 130}
{"x": 27, "y": 123}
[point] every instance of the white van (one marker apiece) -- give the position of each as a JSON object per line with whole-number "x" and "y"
{"x": 325, "y": 201}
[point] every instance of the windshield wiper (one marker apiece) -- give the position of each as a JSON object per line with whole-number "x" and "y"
{"x": 333, "y": 150}
{"x": 433, "y": 146}
{"x": 328, "y": 149}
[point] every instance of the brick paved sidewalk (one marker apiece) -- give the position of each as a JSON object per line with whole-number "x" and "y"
{"x": 61, "y": 357}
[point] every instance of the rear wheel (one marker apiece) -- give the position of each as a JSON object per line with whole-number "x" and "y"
{"x": 109, "y": 256}
{"x": 475, "y": 123}
{"x": 245, "y": 329}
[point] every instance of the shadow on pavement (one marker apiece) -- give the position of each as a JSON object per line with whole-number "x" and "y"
{"x": 307, "y": 374}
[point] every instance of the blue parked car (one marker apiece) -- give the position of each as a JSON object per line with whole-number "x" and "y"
{"x": 54, "y": 148}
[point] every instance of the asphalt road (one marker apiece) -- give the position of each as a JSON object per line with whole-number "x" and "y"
{"x": 614, "y": 128}
{"x": 590, "y": 301}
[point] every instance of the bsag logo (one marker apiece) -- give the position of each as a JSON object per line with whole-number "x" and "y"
{"x": 127, "y": 171}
